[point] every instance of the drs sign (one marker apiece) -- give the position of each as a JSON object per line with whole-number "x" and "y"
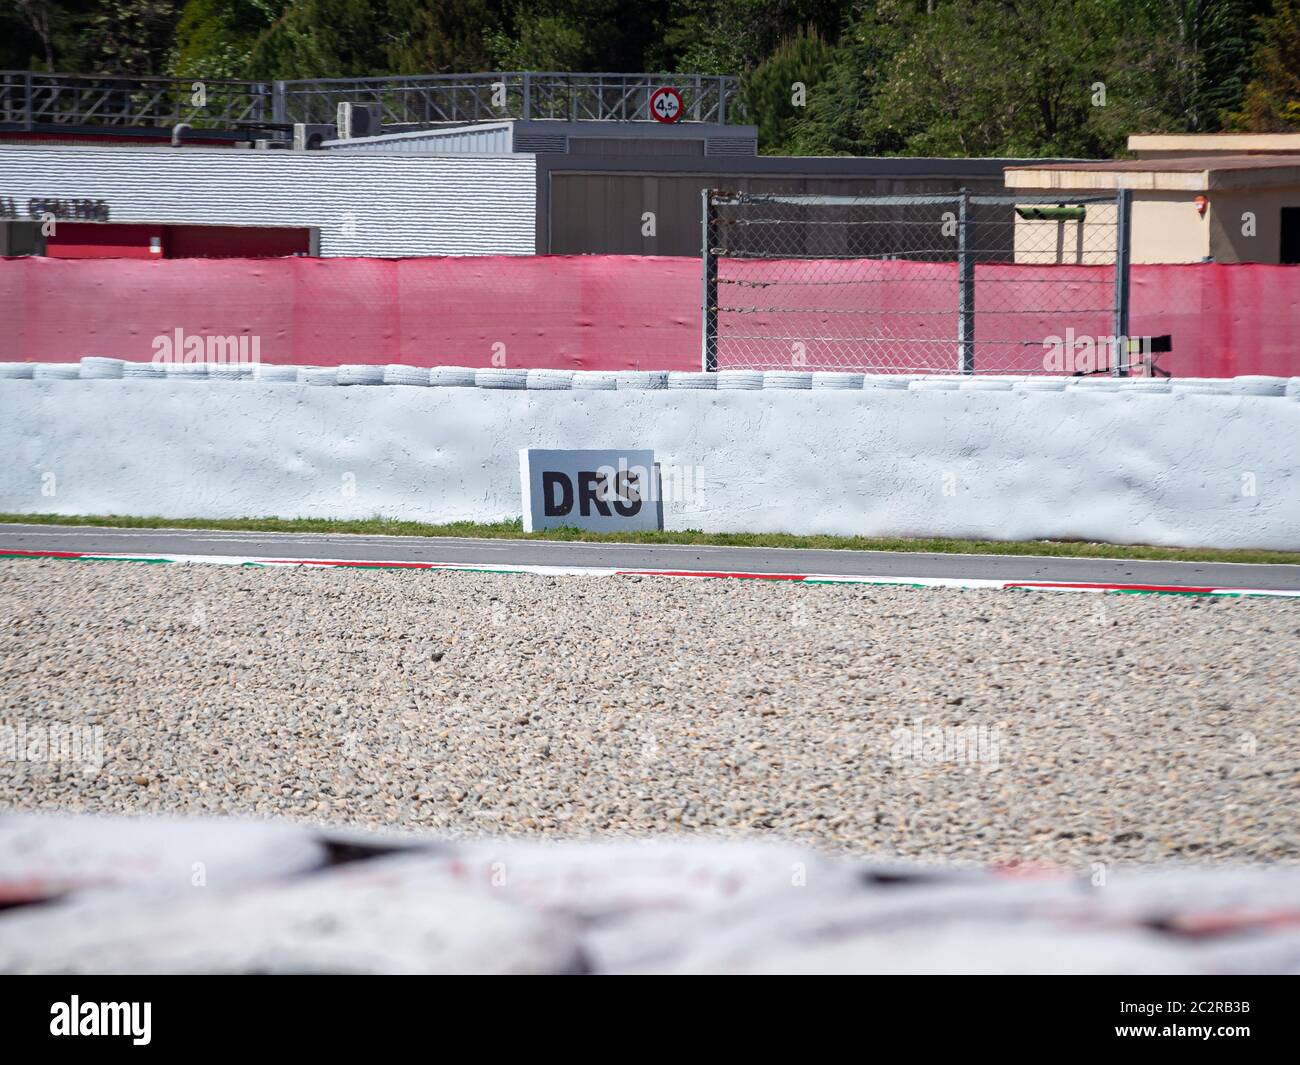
{"x": 601, "y": 491}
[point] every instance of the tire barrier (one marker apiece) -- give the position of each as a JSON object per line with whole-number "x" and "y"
{"x": 656, "y": 380}
{"x": 595, "y": 381}
{"x": 353, "y": 374}
{"x": 787, "y": 379}
{"x": 94, "y": 368}
{"x": 979, "y": 458}
{"x": 740, "y": 380}
{"x": 681, "y": 380}
{"x": 56, "y": 371}
{"x": 500, "y": 378}
{"x": 832, "y": 381}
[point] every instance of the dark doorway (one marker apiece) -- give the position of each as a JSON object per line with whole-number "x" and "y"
{"x": 1290, "y": 235}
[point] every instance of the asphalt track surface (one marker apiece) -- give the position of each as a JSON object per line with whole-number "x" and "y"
{"x": 476, "y": 552}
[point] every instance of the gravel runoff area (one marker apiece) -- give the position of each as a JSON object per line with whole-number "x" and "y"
{"x": 933, "y": 724}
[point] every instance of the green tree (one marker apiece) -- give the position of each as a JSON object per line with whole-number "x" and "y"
{"x": 325, "y": 38}
{"x": 88, "y": 36}
{"x": 579, "y": 35}
{"x": 733, "y": 36}
{"x": 27, "y": 35}
{"x": 132, "y": 36}
{"x": 840, "y": 104}
{"x": 1272, "y": 99}
{"x": 1229, "y": 33}
{"x": 776, "y": 91}
{"x": 1214, "y": 40}
{"x": 1038, "y": 77}
{"x": 216, "y": 38}
{"x": 442, "y": 37}
{"x": 540, "y": 42}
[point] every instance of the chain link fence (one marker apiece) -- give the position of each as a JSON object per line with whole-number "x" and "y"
{"x": 958, "y": 283}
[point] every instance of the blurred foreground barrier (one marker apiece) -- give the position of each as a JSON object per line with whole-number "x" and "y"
{"x": 415, "y": 903}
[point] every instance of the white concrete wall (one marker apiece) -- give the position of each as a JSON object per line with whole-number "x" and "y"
{"x": 364, "y": 204}
{"x": 1125, "y": 467}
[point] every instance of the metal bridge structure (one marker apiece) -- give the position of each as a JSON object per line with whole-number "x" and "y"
{"x": 35, "y": 101}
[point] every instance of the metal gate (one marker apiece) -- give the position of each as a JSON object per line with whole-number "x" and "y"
{"x": 959, "y": 283}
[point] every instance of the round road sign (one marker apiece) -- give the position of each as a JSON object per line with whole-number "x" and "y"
{"x": 666, "y": 104}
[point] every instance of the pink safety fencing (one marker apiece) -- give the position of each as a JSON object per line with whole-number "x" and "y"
{"x": 589, "y": 312}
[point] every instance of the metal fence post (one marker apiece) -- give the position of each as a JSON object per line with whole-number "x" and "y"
{"x": 709, "y": 339}
{"x": 278, "y": 108}
{"x": 965, "y": 287}
{"x": 1123, "y": 240}
{"x": 28, "y": 93}
{"x": 528, "y": 97}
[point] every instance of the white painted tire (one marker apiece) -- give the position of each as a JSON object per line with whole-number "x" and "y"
{"x": 550, "y": 380}
{"x": 185, "y": 371}
{"x": 685, "y": 380}
{"x": 835, "y": 381}
{"x": 1259, "y": 386}
{"x": 595, "y": 381}
{"x": 16, "y": 371}
{"x": 139, "y": 370}
{"x": 276, "y": 374}
{"x": 743, "y": 380}
{"x": 451, "y": 377}
{"x": 653, "y": 380}
{"x": 57, "y": 371}
{"x": 94, "y": 368}
{"x": 1203, "y": 387}
{"x": 401, "y": 374}
{"x": 319, "y": 375}
{"x": 495, "y": 377}
{"x": 360, "y": 374}
{"x": 229, "y": 373}
{"x": 789, "y": 379}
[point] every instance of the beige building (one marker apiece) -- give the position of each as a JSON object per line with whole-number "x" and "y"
{"x": 1226, "y": 198}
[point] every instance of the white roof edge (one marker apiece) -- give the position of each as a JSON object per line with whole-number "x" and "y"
{"x": 415, "y": 134}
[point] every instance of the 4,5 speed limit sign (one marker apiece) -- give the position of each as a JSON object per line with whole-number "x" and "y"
{"x": 666, "y": 104}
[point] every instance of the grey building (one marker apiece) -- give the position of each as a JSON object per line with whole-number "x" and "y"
{"x": 381, "y": 201}
{"x": 478, "y": 164}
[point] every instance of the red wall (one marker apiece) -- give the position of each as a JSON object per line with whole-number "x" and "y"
{"x": 234, "y": 242}
{"x": 114, "y": 240}
{"x": 94, "y": 240}
{"x": 581, "y": 312}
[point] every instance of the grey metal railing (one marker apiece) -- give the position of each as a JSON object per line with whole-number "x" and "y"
{"x": 457, "y": 98}
{"x": 29, "y": 99}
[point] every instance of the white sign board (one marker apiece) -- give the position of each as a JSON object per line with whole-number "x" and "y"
{"x": 600, "y": 491}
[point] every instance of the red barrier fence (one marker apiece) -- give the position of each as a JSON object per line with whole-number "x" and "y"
{"x": 580, "y": 312}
